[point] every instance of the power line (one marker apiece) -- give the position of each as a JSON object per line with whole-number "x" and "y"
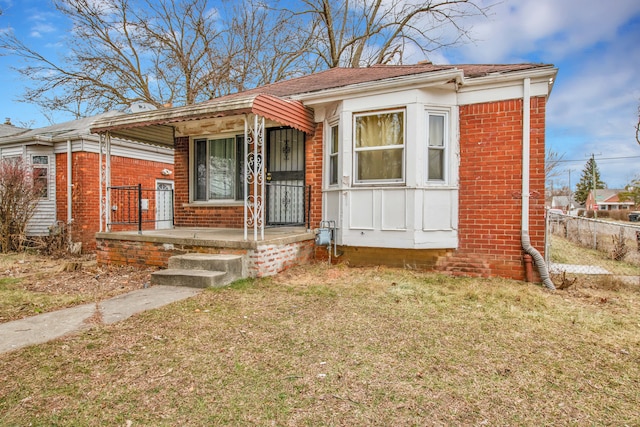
{"x": 599, "y": 159}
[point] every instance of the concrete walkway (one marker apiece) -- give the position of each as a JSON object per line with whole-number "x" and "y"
{"x": 48, "y": 326}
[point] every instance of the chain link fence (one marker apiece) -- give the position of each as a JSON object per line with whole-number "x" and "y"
{"x": 586, "y": 246}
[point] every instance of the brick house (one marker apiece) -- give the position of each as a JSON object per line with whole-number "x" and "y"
{"x": 66, "y": 157}
{"x": 607, "y": 199}
{"x": 430, "y": 166}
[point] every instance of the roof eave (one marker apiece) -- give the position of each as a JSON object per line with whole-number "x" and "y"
{"x": 541, "y": 73}
{"x": 155, "y": 127}
{"x": 425, "y": 79}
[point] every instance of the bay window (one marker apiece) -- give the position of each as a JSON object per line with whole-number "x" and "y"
{"x": 379, "y": 147}
{"x": 333, "y": 155}
{"x": 436, "y": 151}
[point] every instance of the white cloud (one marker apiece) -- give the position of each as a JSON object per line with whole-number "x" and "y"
{"x": 39, "y": 30}
{"x": 556, "y": 28}
{"x": 593, "y": 107}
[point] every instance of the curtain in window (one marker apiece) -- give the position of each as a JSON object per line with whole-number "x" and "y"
{"x": 436, "y": 147}
{"x": 222, "y": 170}
{"x": 200, "y": 169}
{"x": 379, "y": 146}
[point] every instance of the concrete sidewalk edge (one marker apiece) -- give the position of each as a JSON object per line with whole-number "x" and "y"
{"x": 48, "y": 326}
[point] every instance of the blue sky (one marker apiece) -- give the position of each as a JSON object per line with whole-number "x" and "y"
{"x": 595, "y": 44}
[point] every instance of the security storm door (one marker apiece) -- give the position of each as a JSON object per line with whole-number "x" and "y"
{"x": 285, "y": 177}
{"x": 164, "y": 204}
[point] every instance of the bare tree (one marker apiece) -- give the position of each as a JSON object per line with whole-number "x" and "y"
{"x": 357, "y": 33}
{"x": 124, "y": 51}
{"x": 552, "y": 164}
{"x": 185, "y": 51}
{"x": 265, "y": 45}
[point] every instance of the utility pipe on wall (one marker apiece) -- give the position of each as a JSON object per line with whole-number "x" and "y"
{"x": 526, "y": 144}
{"x": 69, "y": 184}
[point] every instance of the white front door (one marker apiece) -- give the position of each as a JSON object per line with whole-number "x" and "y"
{"x": 164, "y": 204}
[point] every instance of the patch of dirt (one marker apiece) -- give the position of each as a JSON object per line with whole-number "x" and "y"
{"x": 80, "y": 278}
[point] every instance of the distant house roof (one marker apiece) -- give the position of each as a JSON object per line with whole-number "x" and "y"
{"x": 55, "y": 133}
{"x": 563, "y": 201}
{"x": 610, "y": 196}
{"x": 7, "y": 130}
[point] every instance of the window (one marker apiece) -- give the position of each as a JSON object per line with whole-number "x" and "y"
{"x": 437, "y": 135}
{"x": 333, "y": 156}
{"x": 40, "y": 166}
{"x": 379, "y": 147}
{"x": 218, "y": 169}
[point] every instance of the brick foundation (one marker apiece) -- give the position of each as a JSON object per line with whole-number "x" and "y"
{"x": 264, "y": 260}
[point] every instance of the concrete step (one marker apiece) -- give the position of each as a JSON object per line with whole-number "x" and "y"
{"x": 191, "y": 278}
{"x": 232, "y": 264}
{"x": 200, "y": 270}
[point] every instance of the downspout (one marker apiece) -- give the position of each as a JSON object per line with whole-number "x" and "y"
{"x": 69, "y": 187}
{"x": 526, "y": 143}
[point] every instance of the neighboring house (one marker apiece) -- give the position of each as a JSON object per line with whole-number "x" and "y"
{"x": 607, "y": 199}
{"x": 429, "y": 166}
{"x": 566, "y": 203}
{"x": 66, "y": 158}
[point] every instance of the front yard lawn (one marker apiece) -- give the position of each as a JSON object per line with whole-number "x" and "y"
{"x": 323, "y": 345}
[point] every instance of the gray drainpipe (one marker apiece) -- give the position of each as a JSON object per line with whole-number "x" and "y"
{"x": 526, "y": 142}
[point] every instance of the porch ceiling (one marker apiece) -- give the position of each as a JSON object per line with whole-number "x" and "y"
{"x": 155, "y": 127}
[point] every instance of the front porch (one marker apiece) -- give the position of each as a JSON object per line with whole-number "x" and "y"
{"x": 281, "y": 248}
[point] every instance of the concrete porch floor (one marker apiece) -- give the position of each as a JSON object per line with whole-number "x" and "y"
{"x": 232, "y": 238}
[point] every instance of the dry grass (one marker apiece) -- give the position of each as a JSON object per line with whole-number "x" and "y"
{"x": 337, "y": 346}
{"x": 566, "y": 252}
{"x": 33, "y": 284}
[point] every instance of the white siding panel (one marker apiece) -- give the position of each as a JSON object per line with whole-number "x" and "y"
{"x": 362, "y": 208}
{"x": 332, "y": 206}
{"x": 437, "y": 210}
{"x": 394, "y": 209}
{"x": 45, "y": 215}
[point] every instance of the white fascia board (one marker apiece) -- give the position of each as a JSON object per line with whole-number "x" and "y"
{"x": 500, "y": 87}
{"x": 121, "y": 148}
{"x": 173, "y": 114}
{"x": 27, "y": 140}
{"x": 380, "y": 86}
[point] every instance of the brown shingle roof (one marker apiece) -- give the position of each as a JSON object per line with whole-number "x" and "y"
{"x": 340, "y": 77}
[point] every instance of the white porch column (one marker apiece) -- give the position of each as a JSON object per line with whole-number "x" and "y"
{"x": 254, "y": 175}
{"x": 104, "y": 169}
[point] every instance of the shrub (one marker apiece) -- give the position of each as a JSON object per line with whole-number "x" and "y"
{"x": 19, "y": 195}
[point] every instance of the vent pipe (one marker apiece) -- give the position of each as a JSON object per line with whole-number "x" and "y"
{"x": 526, "y": 144}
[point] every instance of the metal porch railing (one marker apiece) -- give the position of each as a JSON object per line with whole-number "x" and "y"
{"x": 144, "y": 208}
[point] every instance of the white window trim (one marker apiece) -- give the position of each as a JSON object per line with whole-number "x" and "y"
{"x": 403, "y": 147}
{"x": 330, "y": 125}
{"x": 192, "y": 183}
{"x": 447, "y": 147}
{"x": 47, "y": 168}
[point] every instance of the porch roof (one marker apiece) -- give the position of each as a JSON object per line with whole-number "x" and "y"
{"x": 155, "y": 127}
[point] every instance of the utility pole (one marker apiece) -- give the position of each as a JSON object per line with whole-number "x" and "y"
{"x": 593, "y": 183}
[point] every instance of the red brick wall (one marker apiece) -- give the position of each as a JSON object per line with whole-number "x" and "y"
{"x": 491, "y": 184}
{"x": 86, "y": 193}
{"x": 198, "y": 216}
{"x": 233, "y": 216}
{"x": 313, "y": 177}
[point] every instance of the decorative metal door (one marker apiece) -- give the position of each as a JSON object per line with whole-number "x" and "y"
{"x": 164, "y": 204}
{"x": 285, "y": 177}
